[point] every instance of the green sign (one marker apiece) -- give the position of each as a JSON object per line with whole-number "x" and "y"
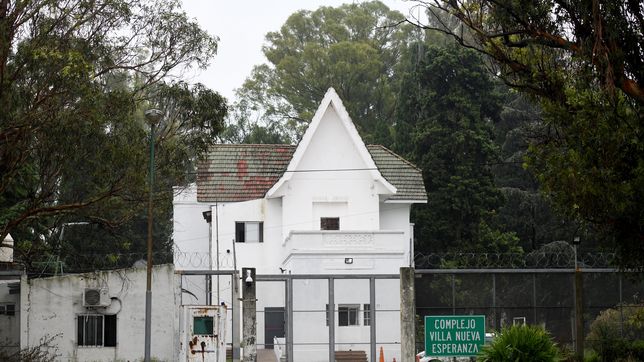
{"x": 454, "y": 335}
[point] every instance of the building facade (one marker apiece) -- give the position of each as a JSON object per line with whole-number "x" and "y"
{"x": 329, "y": 206}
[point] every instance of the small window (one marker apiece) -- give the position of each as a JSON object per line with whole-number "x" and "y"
{"x": 95, "y": 330}
{"x": 348, "y": 315}
{"x": 367, "y": 314}
{"x": 8, "y": 309}
{"x": 249, "y": 232}
{"x": 203, "y": 325}
{"x": 329, "y": 223}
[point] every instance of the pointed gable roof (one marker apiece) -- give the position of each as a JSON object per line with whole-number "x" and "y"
{"x": 233, "y": 173}
{"x": 331, "y": 99}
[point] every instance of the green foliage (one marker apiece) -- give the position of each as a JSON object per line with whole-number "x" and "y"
{"x": 75, "y": 79}
{"x": 351, "y": 48}
{"x": 46, "y": 350}
{"x": 521, "y": 343}
{"x": 617, "y": 333}
{"x": 443, "y": 125}
{"x": 583, "y": 62}
{"x": 527, "y": 211}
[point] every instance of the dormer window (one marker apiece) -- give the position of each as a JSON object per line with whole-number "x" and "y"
{"x": 249, "y": 232}
{"x": 329, "y": 223}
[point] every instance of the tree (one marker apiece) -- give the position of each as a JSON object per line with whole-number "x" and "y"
{"x": 75, "y": 78}
{"x": 527, "y": 211}
{"x": 350, "y": 48}
{"x": 583, "y": 61}
{"x": 444, "y": 124}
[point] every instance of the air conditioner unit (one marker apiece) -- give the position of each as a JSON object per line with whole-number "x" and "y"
{"x": 96, "y": 297}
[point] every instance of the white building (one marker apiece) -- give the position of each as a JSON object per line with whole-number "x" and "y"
{"x": 330, "y": 205}
{"x": 100, "y": 316}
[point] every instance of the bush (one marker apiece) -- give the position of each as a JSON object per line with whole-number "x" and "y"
{"x": 616, "y": 335}
{"x": 521, "y": 343}
{"x": 45, "y": 351}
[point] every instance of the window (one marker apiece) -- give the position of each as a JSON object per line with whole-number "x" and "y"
{"x": 348, "y": 315}
{"x": 329, "y": 223}
{"x": 8, "y": 309}
{"x": 249, "y": 232}
{"x": 203, "y": 325}
{"x": 96, "y": 330}
{"x": 367, "y": 314}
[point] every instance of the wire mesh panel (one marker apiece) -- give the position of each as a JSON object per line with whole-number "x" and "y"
{"x": 271, "y": 316}
{"x": 193, "y": 289}
{"x": 387, "y": 318}
{"x": 555, "y": 305}
{"x": 310, "y": 320}
{"x": 532, "y": 296}
{"x": 352, "y": 299}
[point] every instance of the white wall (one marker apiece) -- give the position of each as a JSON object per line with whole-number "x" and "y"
{"x": 9, "y": 325}
{"x": 396, "y": 216}
{"x": 311, "y": 332}
{"x": 353, "y": 196}
{"x": 52, "y": 305}
{"x": 190, "y": 230}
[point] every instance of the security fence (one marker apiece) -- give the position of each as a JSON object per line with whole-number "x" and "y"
{"x": 542, "y": 296}
{"x": 320, "y": 317}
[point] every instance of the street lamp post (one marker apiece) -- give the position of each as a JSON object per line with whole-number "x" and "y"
{"x": 152, "y": 116}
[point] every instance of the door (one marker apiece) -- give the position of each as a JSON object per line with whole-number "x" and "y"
{"x": 204, "y": 333}
{"x": 273, "y": 325}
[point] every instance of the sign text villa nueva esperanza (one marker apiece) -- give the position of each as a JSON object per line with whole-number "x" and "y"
{"x": 454, "y": 335}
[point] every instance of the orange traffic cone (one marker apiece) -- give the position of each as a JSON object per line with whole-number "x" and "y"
{"x": 382, "y": 355}
{"x": 394, "y": 359}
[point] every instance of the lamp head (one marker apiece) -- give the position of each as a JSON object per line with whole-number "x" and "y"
{"x": 249, "y": 278}
{"x": 153, "y": 116}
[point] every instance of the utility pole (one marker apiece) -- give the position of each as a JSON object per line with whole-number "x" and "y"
{"x": 152, "y": 116}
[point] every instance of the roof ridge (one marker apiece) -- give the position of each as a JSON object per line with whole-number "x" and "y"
{"x": 251, "y": 145}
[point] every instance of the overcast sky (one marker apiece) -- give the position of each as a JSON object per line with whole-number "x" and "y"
{"x": 241, "y": 27}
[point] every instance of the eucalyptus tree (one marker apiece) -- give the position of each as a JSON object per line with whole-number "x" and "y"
{"x": 75, "y": 78}
{"x": 583, "y": 61}
{"x": 353, "y": 48}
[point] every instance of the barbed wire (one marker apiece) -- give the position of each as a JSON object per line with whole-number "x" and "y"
{"x": 448, "y": 260}
{"x": 106, "y": 261}
{"x": 535, "y": 259}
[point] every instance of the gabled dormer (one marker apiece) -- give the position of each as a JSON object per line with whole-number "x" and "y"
{"x": 234, "y": 173}
{"x": 331, "y": 147}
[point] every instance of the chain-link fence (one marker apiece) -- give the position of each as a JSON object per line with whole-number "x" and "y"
{"x": 321, "y": 317}
{"x": 543, "y": 297}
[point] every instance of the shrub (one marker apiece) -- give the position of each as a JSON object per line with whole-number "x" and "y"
{"x": 617, "y": 335}
{"x": 521, "y": 343}
{"x": 45, "y": 351}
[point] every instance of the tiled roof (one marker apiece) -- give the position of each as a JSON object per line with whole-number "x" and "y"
{"x": 246, "y": 172}
{"x": 399, "y": 172}
{"x": 241, "y": 172}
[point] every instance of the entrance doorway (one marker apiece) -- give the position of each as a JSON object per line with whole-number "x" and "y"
{"x": 273, "y": 325}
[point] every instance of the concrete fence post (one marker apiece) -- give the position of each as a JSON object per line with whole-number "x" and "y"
{"x": 235, "y": 318}
{"x": 407, "y": 315}
{"x": 579, "y": 315}
{"x": 249, "y": 315}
